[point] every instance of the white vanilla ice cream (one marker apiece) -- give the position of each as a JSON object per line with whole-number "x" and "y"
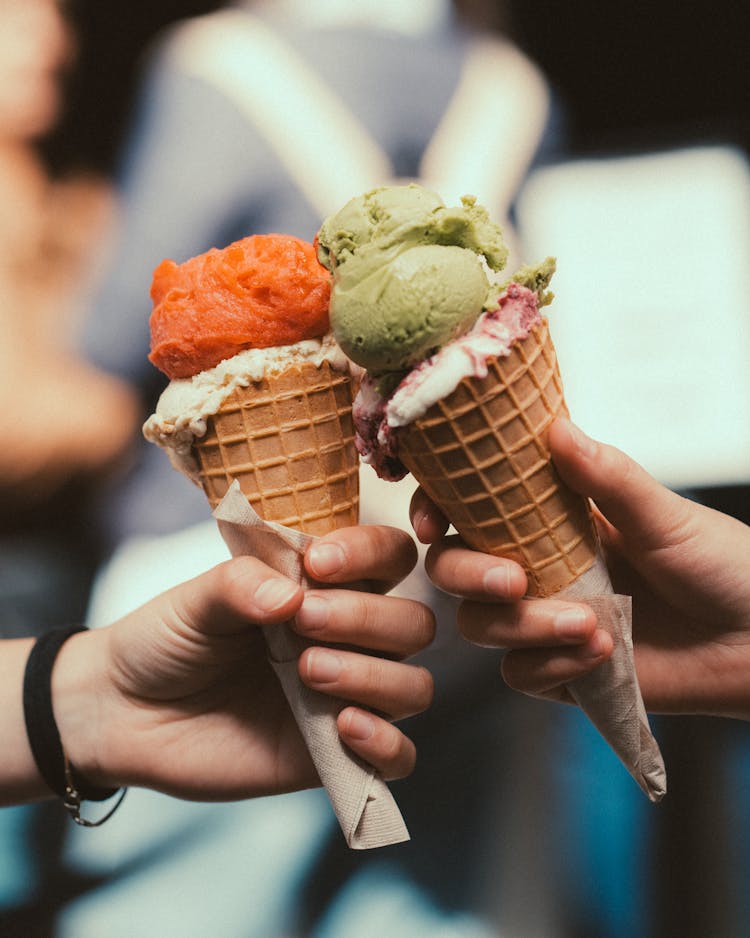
{"x": 186, "y": 404}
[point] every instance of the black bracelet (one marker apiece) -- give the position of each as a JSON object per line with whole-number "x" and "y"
{"x": 44, "y": 737}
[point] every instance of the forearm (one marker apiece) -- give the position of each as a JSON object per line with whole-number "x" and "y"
{"x": 77, "y": 682}
{"x": 19, "y": 777}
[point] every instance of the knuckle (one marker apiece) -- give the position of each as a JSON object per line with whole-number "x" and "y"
{"x": 393, "y": 745}
{"x": 373, "y": 675}
{"x": 466, "y": 621}
{"x": 231, "y": 579}
{"x": 226, "y": 574}
{"x": 424, "y": 687}
{"x": 424, "y": 625}
{"x": 398, "y": 753}
{"x": 436, "y": 563}
{"x": 620, "y": 466}
{"x": 368, "y": 612}
{"x": 510, "y": 673}
{"x": 482, "y": 624}
{"x": 351, "y": 616}
{"x": 361, "y": 610}
{"x": 405, "y": 761}
{"x": 395, "y": 543}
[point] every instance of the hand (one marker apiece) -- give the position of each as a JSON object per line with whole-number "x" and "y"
{"x": 686, "y": 566}
{"x": 187, "y": 703}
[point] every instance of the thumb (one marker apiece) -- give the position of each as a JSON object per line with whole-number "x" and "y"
{"x": 638, "y": 506}
{"x": 226, "y": 598}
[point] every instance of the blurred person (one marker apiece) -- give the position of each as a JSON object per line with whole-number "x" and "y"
{"x": 64, "y": 424}
{"x": 523, "y": 792}
{"x": 206, "y": 164}
{"x": 684, "y": 564}
{"x": 262, "y": 118}
{"x": 63, "y": 419}
{"x": 180, "y": 695}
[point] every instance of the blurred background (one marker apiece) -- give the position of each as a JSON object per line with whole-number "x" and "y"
{"x": 624, "y": 154}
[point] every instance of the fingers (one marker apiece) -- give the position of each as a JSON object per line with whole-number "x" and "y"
{"x": 428, "y": 521}
{"x": 395, "y": 689}
{"x": 375, "y": 552}
{"x": 462, "y": 572}
{"x": 552, "y": 642}
{"x": 529, "y": 623}
{"x": 544, "y": 672}
{"x": 225, "y": 599}
{"x": 643, "y": 510}
{"x": 398, "y": 627}
{"x": 378, "y": 742}
{"x": 389, "y": 687}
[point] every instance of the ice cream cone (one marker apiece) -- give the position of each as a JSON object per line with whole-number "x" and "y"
{"x": 481, "y": 455}
{"x": 289, "y": 442}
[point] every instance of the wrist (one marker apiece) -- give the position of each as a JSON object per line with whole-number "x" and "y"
{"x": 80, "y": 702}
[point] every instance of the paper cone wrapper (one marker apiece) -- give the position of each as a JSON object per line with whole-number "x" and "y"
{"x": 288, "y": 441}
{"x": 362, "y": 802}
{"x": 482, "y": 456}
{"x": 279, "y": 466}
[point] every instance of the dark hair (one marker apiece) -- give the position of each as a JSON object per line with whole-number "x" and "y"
{"x": 111, "y": 39}
{"x": 486, "y": 15}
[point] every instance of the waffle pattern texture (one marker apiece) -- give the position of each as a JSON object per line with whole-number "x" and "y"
{"x": 289, "y": 442}
{"x": 481, "y": 454}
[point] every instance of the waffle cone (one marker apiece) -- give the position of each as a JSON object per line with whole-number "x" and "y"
{"x": 289, "y": 442}
{"x": 481, "y": 454}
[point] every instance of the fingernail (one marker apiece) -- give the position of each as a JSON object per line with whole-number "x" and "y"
{"x": 271, "y": 594}
{"x": 570, "y": 622}
{"x": 359, "y": 725}
{"x": 497, "y": 580}
{"x": 325, "y": 559}
{"x": 313, "y": 616}
{"x": 323, "y": 667}
{"x": 584, "y": 443}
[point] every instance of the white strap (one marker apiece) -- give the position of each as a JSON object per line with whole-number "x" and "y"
{"x": 412, "y": 19}
{"x": 323, "y": 147}
{"x": 483, "y": 145}
{"x": 491, "y": 130}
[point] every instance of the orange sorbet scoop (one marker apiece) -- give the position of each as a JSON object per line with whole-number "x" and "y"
{"x": 259, "y": 292}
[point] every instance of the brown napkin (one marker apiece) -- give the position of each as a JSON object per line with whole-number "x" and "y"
{"x": 610, "y": 695}
{"x": 362, "y": 802}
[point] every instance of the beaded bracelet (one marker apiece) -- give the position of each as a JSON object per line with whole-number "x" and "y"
{"x": 44, "y": 736}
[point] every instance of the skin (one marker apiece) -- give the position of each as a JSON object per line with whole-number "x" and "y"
{"x": 179, "y": 696}
{"x": 35, "y": 45}
{"x": 68, "y": 423}
{"x": 686, "y": 567}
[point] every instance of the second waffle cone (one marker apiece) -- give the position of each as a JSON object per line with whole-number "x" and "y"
{"x": 289, "y": 442}
{"x": 481, "y": 455}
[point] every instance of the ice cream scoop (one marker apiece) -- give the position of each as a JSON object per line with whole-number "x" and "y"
{"x": 409, "y": 273}
{"x": 260, "y": 392}
{"x": 460, "y": 391}
{"x": 259, "y": 292}
{"x": 258, "y": 413}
